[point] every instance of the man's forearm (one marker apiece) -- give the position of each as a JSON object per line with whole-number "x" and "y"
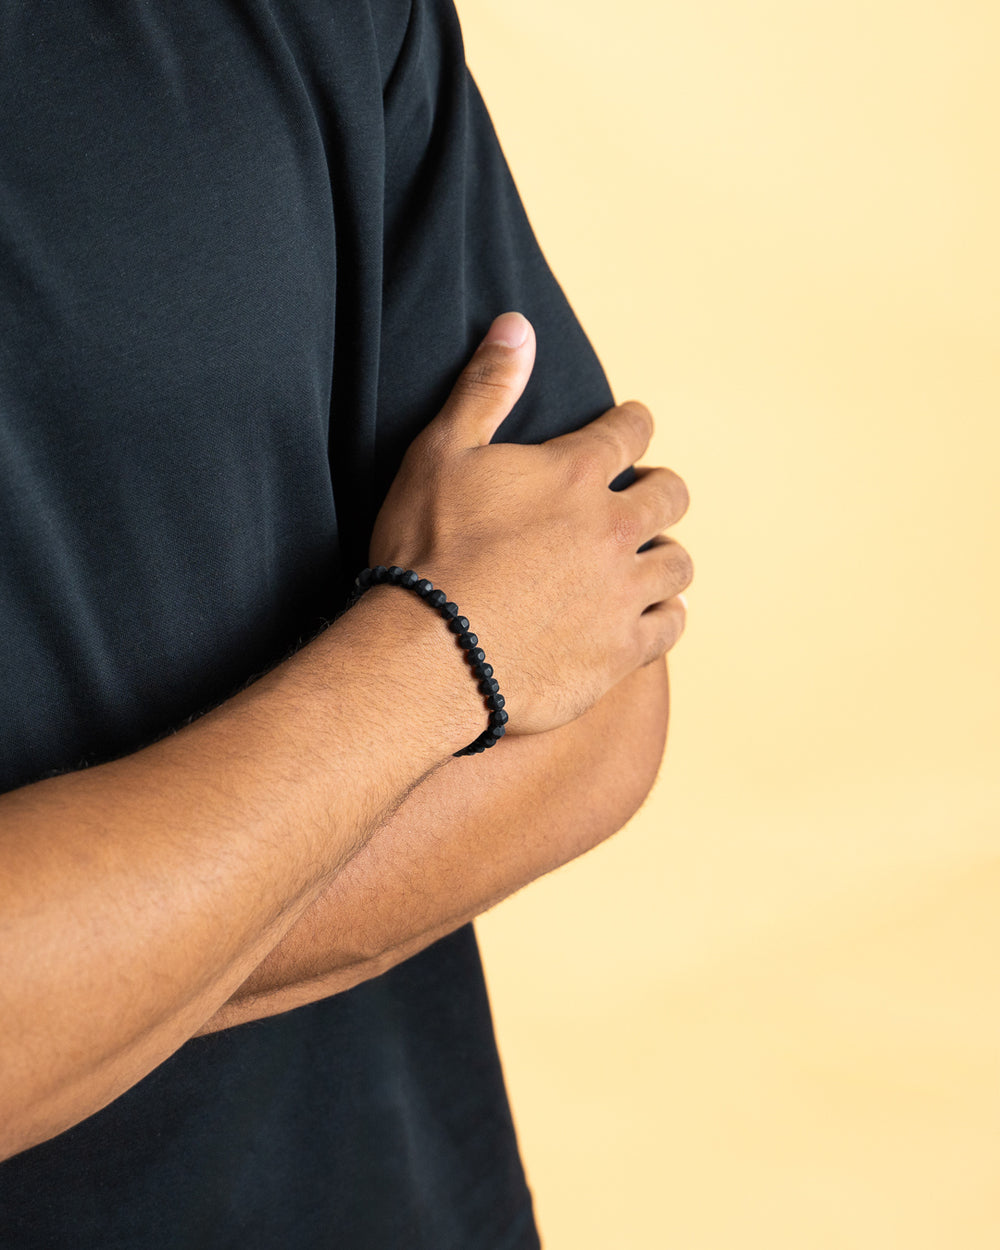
{"x": 472, "y": 833}
{"x": 137, "y": 895}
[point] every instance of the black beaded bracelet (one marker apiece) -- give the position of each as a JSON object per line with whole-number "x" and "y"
{"x": 474, "y": 655}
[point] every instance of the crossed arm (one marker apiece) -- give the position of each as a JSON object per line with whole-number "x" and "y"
{"x": 472, "y": 833}
{"x": 209, "y": 876}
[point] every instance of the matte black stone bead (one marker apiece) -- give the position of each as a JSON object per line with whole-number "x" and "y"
{"x": 379, "y": 572}
{"x": 364, "y": 578}
{"x": 409, "y": 579}
{"x": 497, "y": 732}
{"x": 394, "y": 573}
{"x": 487, "y": 670}
{"x": 496, "y": 701}
{"x": 467, "y": 641}
{"x": 489, "y": 685}
{"x": 436, "y": 598}
{"x": 476, "y": 655}
{"x": 449, "y": 611}
{"x": 490, "y": 742}
{"x": 499, "y": 717}
{"x": 459, "y": 625}
{"x": 477, "y": 670}
{"x": 424, "y": 587}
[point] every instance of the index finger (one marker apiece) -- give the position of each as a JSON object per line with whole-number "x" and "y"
{"x": 618, "y": 437}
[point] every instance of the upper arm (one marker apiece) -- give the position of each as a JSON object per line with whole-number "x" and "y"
{"x": 459, "y": 250}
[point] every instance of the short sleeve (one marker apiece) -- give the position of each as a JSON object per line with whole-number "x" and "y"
{"x": 458, "y": 251}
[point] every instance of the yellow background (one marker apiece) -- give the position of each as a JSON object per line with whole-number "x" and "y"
{"x": 768, "y": 1013}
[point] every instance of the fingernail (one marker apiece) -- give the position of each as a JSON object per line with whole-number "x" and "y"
{"x": 683, "y": 599}
{"x": 510, "y": 329}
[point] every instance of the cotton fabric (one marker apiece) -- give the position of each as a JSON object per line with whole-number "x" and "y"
{"x": 244, "y": 250}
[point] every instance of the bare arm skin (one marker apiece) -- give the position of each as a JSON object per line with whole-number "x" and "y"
{"x": 137, "y": 896}
{"x": 473, "y": 833}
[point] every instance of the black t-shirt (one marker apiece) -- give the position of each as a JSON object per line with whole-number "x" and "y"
{"x": 245, "y": 247}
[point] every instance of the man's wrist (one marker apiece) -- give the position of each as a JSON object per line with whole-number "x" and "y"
{"x": 411, "y": 645}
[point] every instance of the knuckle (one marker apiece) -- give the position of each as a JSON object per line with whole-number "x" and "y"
{"x": 673, "y": 494}
{"x": 678, "y": 559}
{"x": 604, "y": 442}
{"x": 682, "y": 568}
{"x": 639, "y": 415}
{"x": 674, "y": 565}
{"x": 680, "y": 494}
{"x": 625, "y": 530}
{"x": 670, "y": 628}
{"x": 688, "y": 570}
{"x": 484, "y": 378}
{"x": 583, "y": 467}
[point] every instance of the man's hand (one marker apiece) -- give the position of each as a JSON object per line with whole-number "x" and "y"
{"x": 489, "y": 521}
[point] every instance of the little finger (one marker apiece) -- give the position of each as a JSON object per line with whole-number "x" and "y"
{"x": 660, "y": 626}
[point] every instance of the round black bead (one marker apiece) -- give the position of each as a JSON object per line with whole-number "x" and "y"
{"x": 459, "y": 625}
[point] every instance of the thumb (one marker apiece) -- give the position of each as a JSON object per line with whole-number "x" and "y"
{"x": 492, "y": 382}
